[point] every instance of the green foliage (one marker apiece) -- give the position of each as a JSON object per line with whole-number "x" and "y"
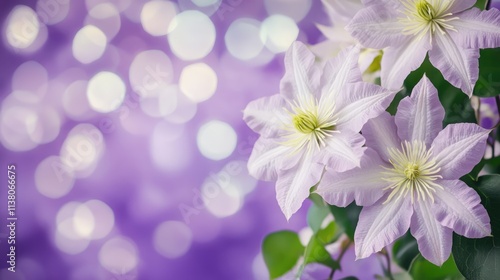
{"x": 347, "y": 218}
{"x": 481, "y": 4}
{"x": 405, "y": 250}
{"x": 423, "y": 269}
{"x": 488, "y": 83}
{"x": 480, "y": 258}
{"x": 316, "y": 253}
{"x": 281, "y": 251}
{"x": 316, "y": 215}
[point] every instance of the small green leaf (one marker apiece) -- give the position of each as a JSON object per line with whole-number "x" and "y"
{"x": 315, "y": 216}
{"x": 405, "y": 250}
{"x": 480, "y": 258}
{"x": 347, "y": 218}
{"x": 423, "y": 269}
{"x": 281, "y": 251}
{"x": 349, "y": 278}
{"x": 316, "y": 253}
{"x": 481, "y": 4}
{"x": 329, "y": 234}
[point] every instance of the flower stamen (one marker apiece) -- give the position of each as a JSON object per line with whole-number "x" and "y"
{"x": 413, "y": 172}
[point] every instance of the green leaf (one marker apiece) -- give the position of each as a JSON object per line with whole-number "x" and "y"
{"x": 316, "y": 253}
{"x": 405, "y": 250}
{"x": 481, "y": 4}
{"x": 315, "y": 216}
{"x": 347, "y": 218}
{"x": 349, "y": 278}
{"x": 488, "y": 83}
{"x": 480, "y": 258}
{"x": 281, "y": 251}
{"x": 329, "y": 234}
{"x": 423, "y": 269}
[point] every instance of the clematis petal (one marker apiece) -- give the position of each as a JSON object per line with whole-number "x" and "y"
{"x": 301, "y": 74}
{"x": 362, "y": 184}
{"x": 458, "y": 148}
{"x": 343, "y": 151}
{"x": 360, "y": 102}
{"x": 434, "y": 240}
{"x": 342, "y": 9}
{"x": 379, "y": 225}
{"x": 381, "y": 134}
{"x": 293, "y": 185}
{"x": 263, "y": 115}
{"x": 420, "y": 116}
{"x": 337, "y": 73}
{"x": 376, "y": 27}
{"x": 477, "y": 29}
{"x": 398, "y": 61}
{"x": 460, "y": 5}
{"x": 459, "y": 66}
{"x": 459, "y": 208}
{"x": 395, "y": 4}
{"x": 266, "y": 158}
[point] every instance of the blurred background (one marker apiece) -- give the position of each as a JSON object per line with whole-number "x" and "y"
{"x": 124, "y": 121}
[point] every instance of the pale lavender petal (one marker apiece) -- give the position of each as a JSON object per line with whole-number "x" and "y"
{"x": 376, "y": 27}
{"x": 379, "y": 225}
{"x": 420, "y": 116}
{"x": 458, "y": 148}
{"x": 394, "y": 4}
{"x": 266, "y": 158}
{"x": 361, "y": 102}
{"x": 362, "y": 184}
{"x": 434, "y": 240}
{"x": 460, "y": 5}
{"x": 263, "y": 115}
{"x": 459, "y": 66}
{"x": 381, "y": 134}
{"x": 477, "y": 29}
{"x": 293, "y": 185}
{"x": 400, "y": 60}
{"x": 343, "y": 9}
{"x": 301, "y": 77}
{"x": 337, "y": 73}
{"x": 343, "y": 151}
{"x": 459, "y": 208}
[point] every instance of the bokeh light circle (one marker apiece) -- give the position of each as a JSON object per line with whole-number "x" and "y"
{"x": 105, "y": 92}
{"x": 198, "y": 82}
{"x": 216, "y": 140}
{"x": 89, "y": 44}
{"x": 53, "y": 177}
{"x": 191, "y": 35}
{"x": 172, "y": 239}
{"x": 243, "y": 39}
{"x": 22, "y": 27}
{"x": 119, "y": 255}
{"x": 278, "y": 32}
{"x": 156, "y": 17}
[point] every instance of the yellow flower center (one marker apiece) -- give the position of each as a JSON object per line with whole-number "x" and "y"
{"x": 413, "y": 172}
{"x": 425, "y": 10}
{"x": 306, "y": 122}
{"x": 424, "y": 17}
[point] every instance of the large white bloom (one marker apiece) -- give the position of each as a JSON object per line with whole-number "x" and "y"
{"x": 314, "y": 121}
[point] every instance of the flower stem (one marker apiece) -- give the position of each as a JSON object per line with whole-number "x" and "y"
{"x": 345, "y": 245}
